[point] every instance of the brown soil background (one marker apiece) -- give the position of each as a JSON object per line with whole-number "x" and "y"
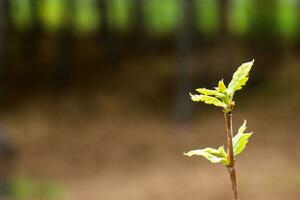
{"x": 100, "y": 148}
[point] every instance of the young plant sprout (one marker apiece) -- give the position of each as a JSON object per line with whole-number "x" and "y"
{"x": 222, "y": 96}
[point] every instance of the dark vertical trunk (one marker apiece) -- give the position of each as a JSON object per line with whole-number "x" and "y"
{"x": 183, "y": 106}
{"x": 263, "y": 42}
{"x": 144, "y": 44}
{"x": 111, "y": 51}
{"x": 30, "y": 42}
{"x": 4, "y": 53}
{"x": 64, "y": 50}
{"x": 63, "y": 66}
{"x": 104, "y": 31}
{"x": 223, "y": 18}
{"x": 6, "y": 147}
{"x": 138, "y": 17}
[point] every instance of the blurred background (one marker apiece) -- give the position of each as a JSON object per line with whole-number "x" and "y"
{"x": 94, "y": 98}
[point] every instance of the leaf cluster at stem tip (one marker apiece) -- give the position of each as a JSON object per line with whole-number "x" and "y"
{"x": 219, "y": 155}
{"x": 222, "y": 96}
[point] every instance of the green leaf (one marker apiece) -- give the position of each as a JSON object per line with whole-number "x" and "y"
{"x": 213, "y": 155}
{"x": 239, "y": 78}
{"x": 241, "y": 139}
{"x": 243, "y": 127}
{"x": 207, "y": 100}
{"x": 208, "y": 92}
{"x": 221, "y": 86}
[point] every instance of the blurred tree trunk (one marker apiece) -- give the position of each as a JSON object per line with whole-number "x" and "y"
{"x": 63, "y": 64}
{"x": 104, "y": 28}
{"x": 138, "y": 17}
{"x": 263, "y": 42}
{"x": 182, "y": 104}
{"x": 223, "y": 18}
{"x": 143, "y": 42}
{"x": 108, "y": 41}
{"x": 30, "y": 42}
{"x": 4, "y": 39}
{"x": 7, "y": 149}
{"x": 64, "y": 50}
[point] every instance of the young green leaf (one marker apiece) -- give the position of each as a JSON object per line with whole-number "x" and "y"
{"x": 241, "y": 139}
{"x": 208, "y": 100}
{"x": 239, "y": 78}
{"x": 243, "y": 127}
{"x": 221, "y": 86}
{"x": 213, "y": 155}
{"x": 208, "y": 92}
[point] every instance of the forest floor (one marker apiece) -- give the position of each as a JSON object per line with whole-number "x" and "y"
{"x": 109, "y": 151}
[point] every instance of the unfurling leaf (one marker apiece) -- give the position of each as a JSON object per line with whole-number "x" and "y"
{"x": 221, "y": 86}
{"x": 239, "y": 78}
{"x": 208, "y": 92}
{"x": 208, "y": 100}
{"x": 240, "y": 140}
{"x": 243, "y": 127}
{"x": 213, "y": 155}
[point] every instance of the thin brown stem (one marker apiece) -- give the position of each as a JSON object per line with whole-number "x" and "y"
{"x": 231, "y": 164}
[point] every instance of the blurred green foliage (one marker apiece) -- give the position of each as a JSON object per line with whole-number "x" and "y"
{"x": 53, "y": 13}
{"x": 240, "y": 16}
{"x": 29, "y": 189}
{"x": 162, "y": 16}
{"x": 22, "y": 13}
{"x": 86, "y": 15}
{"x": 159, "y": 17}
{"x": 207, "y": 16}
{"x": 119, "y": 14}
{"x": 287, "y": 18}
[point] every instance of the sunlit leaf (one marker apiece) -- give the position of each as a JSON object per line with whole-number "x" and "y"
{"x": 208, "y": 92}
{"x": 239, "y": 78}
{"x": 208, "y": 100}
{"x": 240, "y": 140}
{"x": 213, "y": 155}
